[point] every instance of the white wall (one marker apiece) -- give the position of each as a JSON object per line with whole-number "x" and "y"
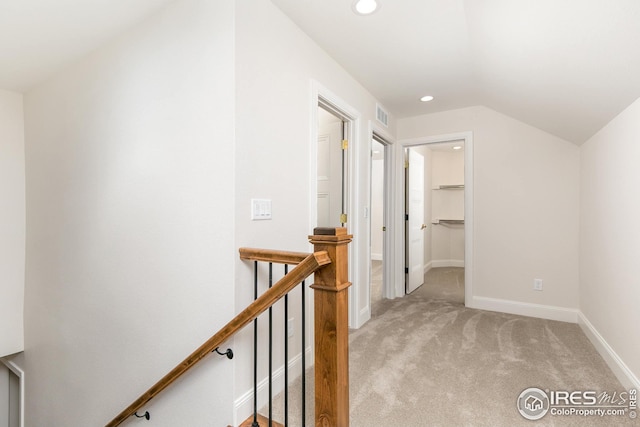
{"x": 130, "y": 216}
{"x": 276, "y": 65}
{"x": 12, "y": 222}
{"x": 525, "y": 210}
{"x": 610, "y": 241}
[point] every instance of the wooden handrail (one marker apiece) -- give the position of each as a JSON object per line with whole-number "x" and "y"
{"x": 304, "y": 269}
{"x": 279, "y": 257}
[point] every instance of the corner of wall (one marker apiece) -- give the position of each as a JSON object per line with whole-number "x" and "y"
{"x": 626, "y": 377}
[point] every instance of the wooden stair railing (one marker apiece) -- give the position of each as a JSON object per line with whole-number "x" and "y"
{"x": 331, "y": 320}
{"x": 329, "y": 262}
{"x": 304, "y": 269}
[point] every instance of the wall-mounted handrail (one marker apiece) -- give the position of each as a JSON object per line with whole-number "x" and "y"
{"x": 307, "y": 266}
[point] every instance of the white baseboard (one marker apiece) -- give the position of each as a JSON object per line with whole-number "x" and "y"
{"x": 428, "y": 267}
{"x": 443, "y": 263}
{"x": 447, "y": 263}
{"x": 243, "y": 405}
{"x": 526, "y": 309}
{"x": 363, "y": 317}
{"x": 619, "y": 368}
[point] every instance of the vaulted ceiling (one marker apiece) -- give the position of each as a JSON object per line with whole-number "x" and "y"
{"x": 564, "y": 66}
{"x": 38, "y": 37}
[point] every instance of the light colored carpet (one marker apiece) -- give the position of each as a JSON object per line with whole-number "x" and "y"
{"x": 376, "y": 282}
{"x": 426, "y": 360}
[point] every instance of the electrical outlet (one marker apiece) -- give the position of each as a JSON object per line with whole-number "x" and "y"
{"x": 537, "y": 284}
{"x": 290, "y": 328}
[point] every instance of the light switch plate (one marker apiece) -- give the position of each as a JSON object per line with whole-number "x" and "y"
{"x": 260, "y": 209}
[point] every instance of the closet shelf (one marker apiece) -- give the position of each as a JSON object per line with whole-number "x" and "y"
{"x": 450, "y": 187}
{"x": 448, "y": 221}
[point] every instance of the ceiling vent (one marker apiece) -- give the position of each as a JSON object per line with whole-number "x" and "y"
{"x": 382, "y": 116}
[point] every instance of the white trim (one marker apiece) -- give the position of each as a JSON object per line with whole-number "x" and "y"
{"x": 243, "y": 405}
{"x": 447, "y": 263}
{"x": 468, "y": 214}
{"x": 320, "y": 95}
{"x": 468, "y": 209}
{"x": 428, "y": 266}
{"x": 525, "y": 309}
{"x": 389, "y": 254}
{"x": 20, "y": 374}
{"x": 611, "y": 358}
{"x": 365, "y": 313}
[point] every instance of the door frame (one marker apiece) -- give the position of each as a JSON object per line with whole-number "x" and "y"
{"x": 17, "y": 371}
{"x": 400, "y": 238}
{"x": 322, "y": 97}
{"x": 388, "y": 253}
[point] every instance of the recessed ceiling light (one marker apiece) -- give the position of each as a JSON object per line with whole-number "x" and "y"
{"x": 426, "y": 98}
{"x": 457, "y": 147}
{"x": 365, "y": 7}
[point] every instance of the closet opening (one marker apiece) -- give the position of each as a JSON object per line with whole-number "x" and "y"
{"x": 435, "y": 220}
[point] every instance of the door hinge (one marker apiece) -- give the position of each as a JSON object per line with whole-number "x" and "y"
{"x": 406, "y": 164}
{"x": 345, "y": 144}
{"x": 406, "y": 217}
{"x": 384, "y": 228}
{"x": 343, "y": 218}
{"x": 406, "y": 270}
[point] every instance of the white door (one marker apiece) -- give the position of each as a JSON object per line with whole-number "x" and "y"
{"x": 330, "y": 170}
{"x": 415, "y": 222}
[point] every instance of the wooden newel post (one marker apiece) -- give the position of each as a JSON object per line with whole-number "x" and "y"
{"x": 331, "y": 300}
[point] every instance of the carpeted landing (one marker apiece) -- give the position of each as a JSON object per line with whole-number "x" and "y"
{"x": 426, "y": 360}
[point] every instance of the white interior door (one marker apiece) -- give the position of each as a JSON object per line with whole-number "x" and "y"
{"x": 415, "y": 223}
{"x": 330, "y": 170}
